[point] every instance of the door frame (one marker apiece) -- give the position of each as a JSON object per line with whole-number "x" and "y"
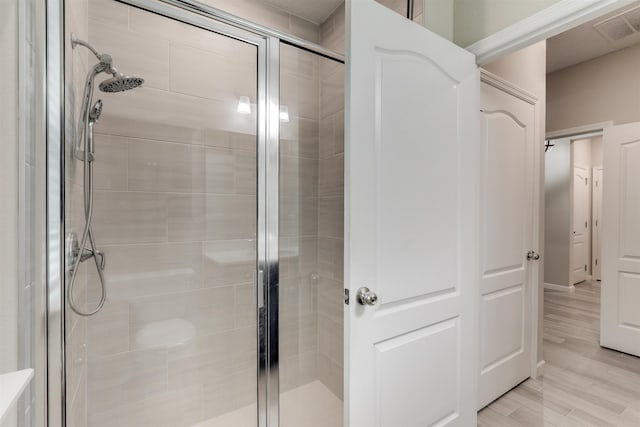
{"x": 535, "y": 276}
{"x": 551, "y": 21}
{"x": 577, "y": 132}
{"x": 596, "y": 205}
{"x": 572, "y": 207}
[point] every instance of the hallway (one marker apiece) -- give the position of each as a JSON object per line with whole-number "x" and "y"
{"x": 584, "y": 384}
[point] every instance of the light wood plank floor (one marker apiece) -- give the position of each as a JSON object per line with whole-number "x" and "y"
{"x": 584, "y": 384}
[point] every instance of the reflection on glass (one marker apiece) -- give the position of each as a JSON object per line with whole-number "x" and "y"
{"x": 175, "y": 214}
{"x": 311, "y": 240}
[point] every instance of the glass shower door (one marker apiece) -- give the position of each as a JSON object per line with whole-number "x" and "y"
{"x": 176, "y": 217}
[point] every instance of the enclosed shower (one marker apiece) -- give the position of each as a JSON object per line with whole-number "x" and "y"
{"x": 205, "y": 288}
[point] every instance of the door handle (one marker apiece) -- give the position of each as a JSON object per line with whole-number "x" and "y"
{"x": 533, "y": 256}
{"x": 366, "y": 297}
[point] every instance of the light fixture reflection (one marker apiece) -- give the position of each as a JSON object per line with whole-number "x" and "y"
{"x": 284, "y": 114}
{"x": 244, "y": 105}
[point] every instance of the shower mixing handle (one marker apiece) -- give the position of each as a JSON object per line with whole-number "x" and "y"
{"x": 99, "y": 255}
{"x": 102, "y": 260}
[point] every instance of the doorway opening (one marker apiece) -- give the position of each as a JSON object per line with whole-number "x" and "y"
{"x": 585, "y": 375}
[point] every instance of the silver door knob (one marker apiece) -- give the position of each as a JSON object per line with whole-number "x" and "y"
{"x": 533, "y": 255}
{"x": 366, "y": 297}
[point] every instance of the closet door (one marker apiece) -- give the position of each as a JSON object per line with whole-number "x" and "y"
{"x": 620, "y": 321}
{"x": 411, "y": 209}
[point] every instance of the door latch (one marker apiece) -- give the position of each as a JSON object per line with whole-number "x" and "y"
{"x": 346, "y": 297}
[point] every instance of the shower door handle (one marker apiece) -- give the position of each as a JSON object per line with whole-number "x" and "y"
{"x": 260, "y": 285}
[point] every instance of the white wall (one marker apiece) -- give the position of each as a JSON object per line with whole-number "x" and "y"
{"x": 600, "y": 90}
{"x": 557, "y": 213}
{"x": 477, "y": 19}
{"x": 526, "y": 69}
{"x": 596, "y": 151}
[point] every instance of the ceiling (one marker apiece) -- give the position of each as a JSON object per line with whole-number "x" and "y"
{"x": 585, "y": 42}
{"x": 316, "y": 11}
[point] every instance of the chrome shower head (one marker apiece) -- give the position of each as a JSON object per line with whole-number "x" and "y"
{"x": 120, "y": 83}
{"x": 94, "y": 115}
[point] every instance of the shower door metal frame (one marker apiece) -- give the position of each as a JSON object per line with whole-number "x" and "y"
{"x": 268, "y": 148}
{"x": 268, "y": 123}
{"x": 267, "y": 42}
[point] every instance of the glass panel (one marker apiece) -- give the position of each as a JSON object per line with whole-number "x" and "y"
{"x": 311, "y": 239}
{"x": 175, "y": 213}
{"x": 401, "y": 6}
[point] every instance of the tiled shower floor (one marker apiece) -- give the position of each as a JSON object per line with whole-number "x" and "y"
{"x": 310, "y": 405}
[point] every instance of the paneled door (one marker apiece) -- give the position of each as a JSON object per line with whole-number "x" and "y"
{"x": 411, "y": 209}
{"x": 508, "y": 144}
{"x": 596, "y": 242}
{"x": 620, "y": 319}
{"x": 580, "y": 224}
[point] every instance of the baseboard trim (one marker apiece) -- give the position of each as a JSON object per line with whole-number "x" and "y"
{"x": 540, "y": 369}
{"x": 562, "y": 288}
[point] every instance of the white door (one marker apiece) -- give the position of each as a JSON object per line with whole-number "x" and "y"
{"x": 620, "y": 319}
{"x": 506, "y": 220}
{"x": 596, "y": 222}
{"x": 580, "y": 224}
{"x": 411, "y": 212}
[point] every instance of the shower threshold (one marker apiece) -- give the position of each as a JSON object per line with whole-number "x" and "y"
{"x": 310, "y": 405}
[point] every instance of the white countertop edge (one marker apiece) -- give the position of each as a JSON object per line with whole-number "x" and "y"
{"x": 11, "y": 387}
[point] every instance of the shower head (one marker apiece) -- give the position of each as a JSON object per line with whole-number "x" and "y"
{"x": 94, "y": 115}
{"x": 120, "y": 83}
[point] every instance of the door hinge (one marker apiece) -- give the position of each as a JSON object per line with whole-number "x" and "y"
{"x": 346, "y": 297}
{"x": 596, "y": 262}
{"x": 586, "y": 224}
{"x": 596, "y": 222}
{"x": 585, "y": 267}
{"x": 586, "y": 181}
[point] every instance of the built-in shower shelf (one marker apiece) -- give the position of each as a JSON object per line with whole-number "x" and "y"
{"x": 11, "y": 387}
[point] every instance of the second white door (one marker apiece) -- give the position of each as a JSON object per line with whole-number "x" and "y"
{"x": 596, "y": 244}
{"x": 508, "y": 145}
{"x": 580, "y": 242}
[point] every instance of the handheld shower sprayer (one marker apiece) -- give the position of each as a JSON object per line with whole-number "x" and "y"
{"x": 83, "y": 149}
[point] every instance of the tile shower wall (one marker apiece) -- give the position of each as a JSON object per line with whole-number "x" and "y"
{"x": 175, "y": 213}
{"x": 331, "y": 209}
{"x": 76, "y": 67}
